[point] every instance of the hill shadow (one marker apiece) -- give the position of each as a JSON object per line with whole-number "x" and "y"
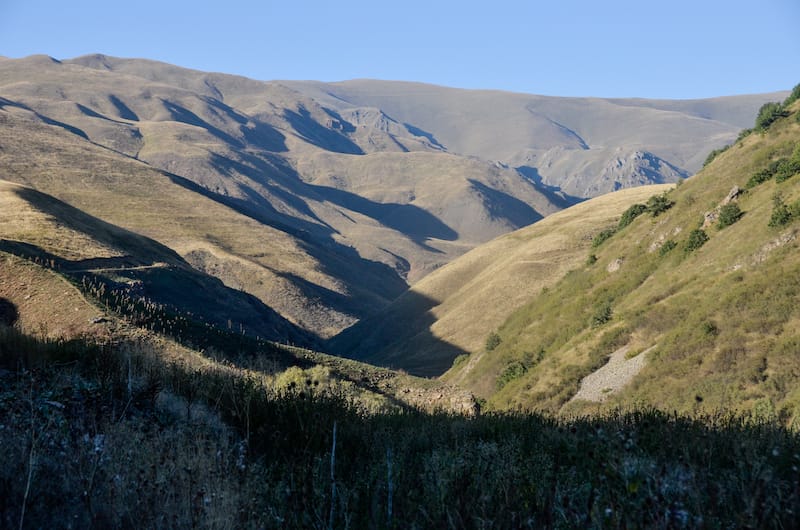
{"x": 144, "y": 248}
{"x": 416, "y": 131}
{"x": 407, "y": 219}
{"x": 556, "y": 195}
{"x": 49, "y": 121}
{"x": 122, "y": 109}
{"x": 399, "y": 337}
{"x": 503, "y": 206}
{"x": 158, "y": 272}
{"x": 86, "y": 111}
{"x": 8, "y": 312}
{"x": 254, "y": 132}
{"x": 371, "y": 280}
{"x": 321, "y": 136}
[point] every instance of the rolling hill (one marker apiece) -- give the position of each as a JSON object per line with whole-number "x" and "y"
{"x": 582, "y": 147}
{"x": 221, "y": 187}
{"x": 81, "y": 280}
{"x": 690, "y": 307}
{"x": 452, "y": 310}
{"x": 325, "y": 201}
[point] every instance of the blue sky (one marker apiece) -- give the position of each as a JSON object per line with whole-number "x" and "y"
{"x": 670, "y": 49}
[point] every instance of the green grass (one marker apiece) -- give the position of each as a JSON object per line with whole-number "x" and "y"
{"x": 738, "y": 278}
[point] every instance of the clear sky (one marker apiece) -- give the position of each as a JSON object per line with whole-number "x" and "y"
{"x": 645, "y": 48}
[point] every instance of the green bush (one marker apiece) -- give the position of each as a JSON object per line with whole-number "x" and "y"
{"x": 460, "y": 359}
{"x": 794, "y": 96}
{"x": 763, "y": 175}
{"x": 602, "y": 314}
{"x": 729, "y": 214}
{"x": 786, "y": 169}
{"x": 697, "y": 238}
{"x": 600, "y": 238}
{"x": 714, "y": 154}
{"x": 513, "y": 371}
{"x": 744, "y": 133}
{"x": 591, "y": 260}
{"x": 781, "y": 215}
{"x": 794, "y": 210}
{"x": 767, "y": 114}
{"x": 530, "y": 358}
{"x": 630, "y": 214}
{"x": 493, "y": 341}
{"x": 658, "y": 204}
{"x": 710, "y": 328}
{"x": 667, "y": 247}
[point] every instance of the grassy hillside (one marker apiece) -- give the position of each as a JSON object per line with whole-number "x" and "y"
{"x": 451, "y": 311}
{"x": 109, "y": 424}
{"x": 54, "y": 304}
{"x": 235, "y": 201}
{"x": 707, "y": 293}
{"x": 245, "y": 251}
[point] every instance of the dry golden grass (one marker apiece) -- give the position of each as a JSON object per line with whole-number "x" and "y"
{"x": 456, "y": 307}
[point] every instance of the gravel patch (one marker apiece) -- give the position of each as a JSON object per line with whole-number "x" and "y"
{"x": 612, "y": 377}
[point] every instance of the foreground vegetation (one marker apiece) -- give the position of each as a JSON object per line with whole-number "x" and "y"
{"x": 112, "y": 436}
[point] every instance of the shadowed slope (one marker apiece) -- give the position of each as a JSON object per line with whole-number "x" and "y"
{"x": 452, "y": 310}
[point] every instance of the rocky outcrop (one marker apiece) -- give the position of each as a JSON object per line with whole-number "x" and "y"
{"x": 709, "y": 218}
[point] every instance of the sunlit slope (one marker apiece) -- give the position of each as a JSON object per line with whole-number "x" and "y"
{"x": 451, "y": 311}
{"x": 246, "y": 145}
{"x": 244, "y": 251}
{"x": 584, "y": 146}
{"x": 716, "y": 314}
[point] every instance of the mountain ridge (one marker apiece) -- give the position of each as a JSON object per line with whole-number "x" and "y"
{"x": 356, "y": 201}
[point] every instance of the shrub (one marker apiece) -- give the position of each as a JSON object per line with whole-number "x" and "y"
{"x": 667, "y": 247}
{"x": 460, "y": 359}
{"x": 697, "y": 238}
{"x": 658, "y": 204}
{"x": 713, "y": 154}
{"x": 630, "y": 214}
{"x": 787, "y": 168}
{"x": 530, "y": 358}
{"x": 493, "y": 341}
{"x": 763, "y": 175}
{"x": 781, "y": 215}
{"x": 794, "y": 96}
{"x": 729, "y": 214}
{"x": 710, "y": 328}
{"x": 591, "y": 260}
{"x": 744, "y": 133}
{"x": 794, "y": 210}
{"x": 513, "y": 371}
{"x": 600, "y": 238}
{"x": 602, "y": 314}
{"x": 767, "y": 114}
